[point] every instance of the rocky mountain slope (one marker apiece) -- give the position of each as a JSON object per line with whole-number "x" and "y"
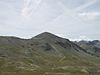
{"x": 92, "y": 47}
{"x": 45, "y": 54}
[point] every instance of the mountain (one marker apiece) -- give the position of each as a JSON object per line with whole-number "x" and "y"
{"x": 56, "y": 43}
{"x": 45, "y": 54}
{"x": 92, "y": 47}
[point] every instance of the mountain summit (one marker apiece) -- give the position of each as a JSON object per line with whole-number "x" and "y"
{"x": 50, "y": 37}
{"x": 47, "y": 35}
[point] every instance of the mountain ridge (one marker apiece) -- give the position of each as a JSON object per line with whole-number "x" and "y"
{"x": 45, "y": 54}
{"x": 92, "y": 47}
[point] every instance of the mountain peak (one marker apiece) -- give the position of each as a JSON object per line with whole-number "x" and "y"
{"x": 46, "y": 35}
{"x": 50, "y": 37}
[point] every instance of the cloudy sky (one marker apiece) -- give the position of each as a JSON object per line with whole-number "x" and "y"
{"x": 73, "y": 19}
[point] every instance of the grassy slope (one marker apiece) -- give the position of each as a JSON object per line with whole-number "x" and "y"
{"x": 36, "y": 63}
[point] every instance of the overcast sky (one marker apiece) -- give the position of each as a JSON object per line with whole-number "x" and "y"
{"x": 72, "y": 19}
